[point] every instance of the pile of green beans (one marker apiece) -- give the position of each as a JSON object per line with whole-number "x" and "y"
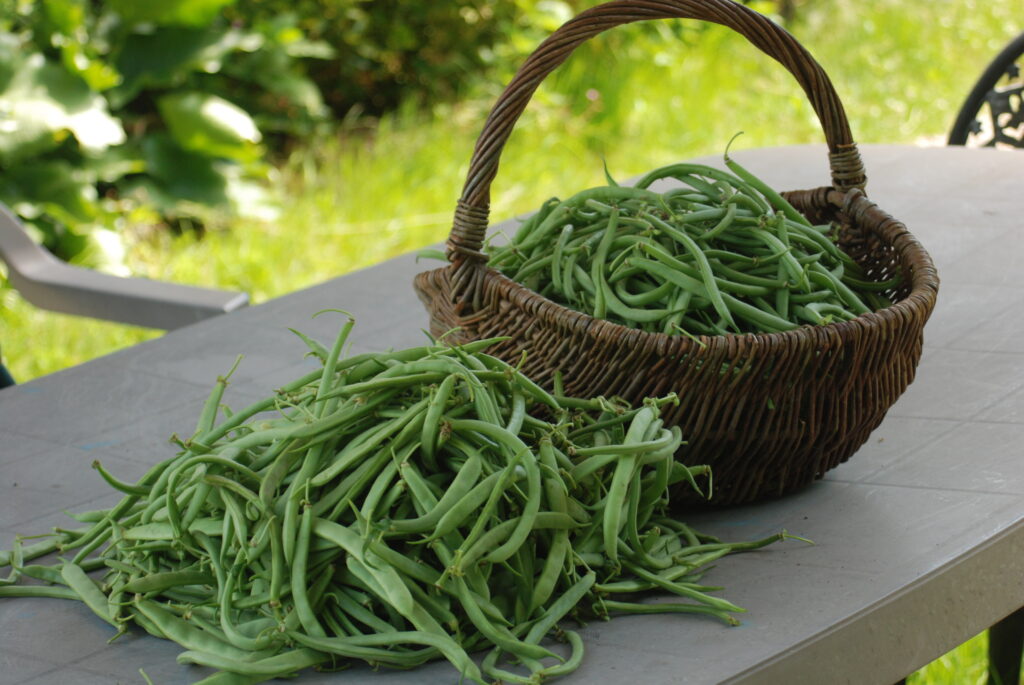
{"x": 719, "y": 253}
{"x": 393, "y": 508}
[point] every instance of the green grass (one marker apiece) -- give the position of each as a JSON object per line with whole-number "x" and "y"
{"x": 965, "y": 665}
{"x": 901, "y": 68}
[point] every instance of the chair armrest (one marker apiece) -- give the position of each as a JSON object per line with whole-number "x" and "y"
{"x": 49, "y": 283}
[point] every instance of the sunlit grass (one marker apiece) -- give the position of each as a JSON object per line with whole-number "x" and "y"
{"x": 965, "y": 665}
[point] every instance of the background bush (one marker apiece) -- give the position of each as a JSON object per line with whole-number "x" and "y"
{"x": 167, "y": 113}
{"x": 390, "y": 51}
{"x": 143, "y": 112}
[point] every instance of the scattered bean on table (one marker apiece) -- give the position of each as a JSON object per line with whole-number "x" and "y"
{"x": 393, "y": 508}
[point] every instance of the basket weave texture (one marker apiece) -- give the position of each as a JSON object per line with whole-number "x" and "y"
{"x": 770, "y": 413}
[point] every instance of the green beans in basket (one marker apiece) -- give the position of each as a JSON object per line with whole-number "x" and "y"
{"x": 719, "y": 253}
{"x": 393, "y": 508}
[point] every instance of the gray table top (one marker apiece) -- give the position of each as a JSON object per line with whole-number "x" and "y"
{"x": 920, "y": 536}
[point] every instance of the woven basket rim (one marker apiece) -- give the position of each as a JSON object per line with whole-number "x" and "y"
{"x": 922, "y": 295}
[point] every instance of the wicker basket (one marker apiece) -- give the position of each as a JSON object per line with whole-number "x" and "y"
{"x": 804, "y": 400}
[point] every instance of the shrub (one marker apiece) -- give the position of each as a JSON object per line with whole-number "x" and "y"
{"x": 142, "y": 110}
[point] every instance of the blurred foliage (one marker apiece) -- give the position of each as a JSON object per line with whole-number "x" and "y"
{"x": 143, "y": 112}
{"x": 127, "y": 112}
{"x": 389, "y": 51}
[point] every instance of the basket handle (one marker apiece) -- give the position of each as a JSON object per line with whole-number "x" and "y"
{"x": 473, "y": 209}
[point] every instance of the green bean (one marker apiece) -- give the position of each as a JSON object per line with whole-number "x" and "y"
{"x": 723, "y": 224}
{"x": 499, "y": 635}
{"x": 273, "y": 666}
{"x": 298, "y": 575}
{"x": 776, "y": 200}
{"x": 731, "y": 220}
{"x": 349, "y": 457}
{"x": 119, "y": 485}
{"x": 782, "y": 296}
{"x": 597, "y": 273}
{"x": 707, "y": 189}
{"x": 620, "y": 480}
{"x": 315, "y": 347}
{"x": 809, "y": 235}
{"x": 392, "y": 587}
{"x": 189, "y": 637}
{"x": 51, "y": 591}
{"x": 572, "y": 663}
{"x": 630, "y": 314}
{"x": 556, "y": 262}
{"x": 87, "y": 591}
{"x": 489, "y": 666}
{"x": 464, "y": 481}
{"x": 793, "y": 267}
{"x": 532, "y": 266}
{"x": 432, "y": 421}
{"x": 558, "y": 609}
{"x": 872, "y": 285}
{"x": 524, "y": 383}
{"x": 650, "y": 296}
{"x": 568, "y": 274}
{"x": 16, "y": 561}
{"x": 584, "y": 280}
{"x": 764, "y": 320}
{"x": 362, "y": 614}
{"x": 375, "y": 496}
{"x": 485, "y": 493}
{"x": 158, "y": 582}
{"x": 341, "y": 497}
{"x": 159, "y": 530}
{"x": 685, "y": 169}
{"x": 237, "y": 488}
{"x": 684, "y": 590}
{"x": 823, "y": 277}
{"x": 47, "y": 574}
{"x": 667, "y": 607}
{"x": 374, "y": 655}
{"x": 234, "y": 547}
{"x": 707, "y": 275}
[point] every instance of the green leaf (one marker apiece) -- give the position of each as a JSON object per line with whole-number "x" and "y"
{"x": 29, "y": 117}
{"x": 283, "y": 31}
{"x": 10, "y": 59}
{"x": 114, "y": 163}
{"x": 67, "y": 16}
{"x": 68, "y": 25}
{"x": 310, "y": 49}
{"x": 182, "y": 183}
{"x": 169, "y": 12}
{"x": 42, "y": 102}
{"x": 96, "y": 73}
{"x": 248, "y": 197}
{"x": 95, "y": 247}
{"x": 163, "y": 57}
{"x": 178, "y": 175}
{"x": 210, "y": 125}
{"x": 57, "y": 188}
{"x": 274, "y": 71}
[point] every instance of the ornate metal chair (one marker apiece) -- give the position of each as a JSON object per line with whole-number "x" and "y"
{"x": 993, "y": 113}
